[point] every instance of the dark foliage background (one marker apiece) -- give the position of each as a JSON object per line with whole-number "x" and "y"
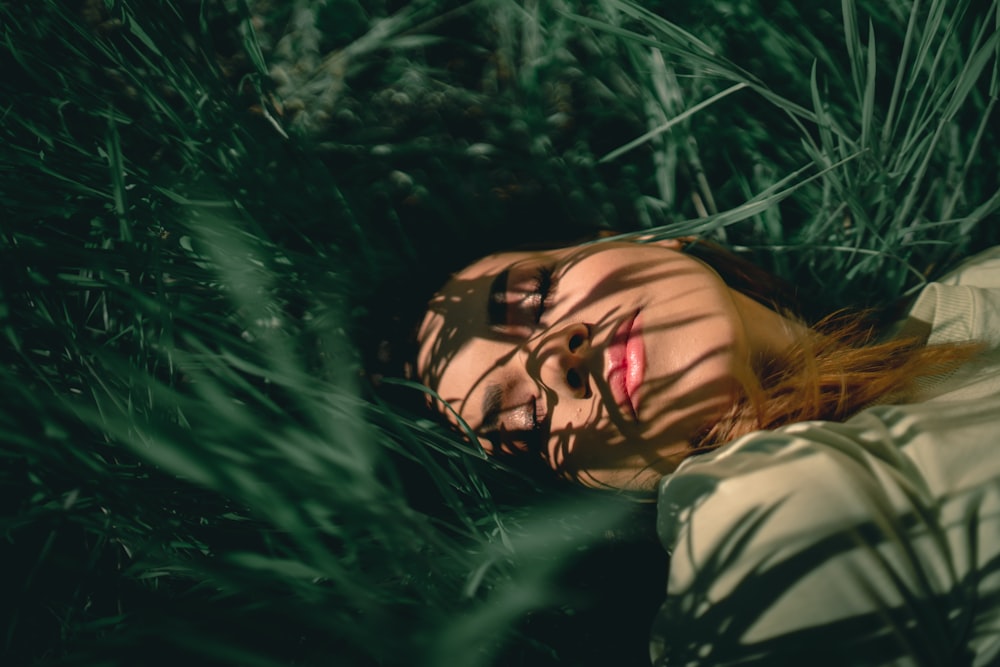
{"x": 217, "y": 213}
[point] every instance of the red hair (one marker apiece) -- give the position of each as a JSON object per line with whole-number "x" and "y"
{"x": 836, "y": 370}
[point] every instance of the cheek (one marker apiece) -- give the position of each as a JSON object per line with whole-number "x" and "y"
{"x": 698, "y": 328}
{"x": 696, "y": 358}
{"x": 703, "y": 353}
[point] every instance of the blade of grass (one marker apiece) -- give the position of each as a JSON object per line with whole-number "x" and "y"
{"x": 868, "y": 100}
{"x": 680, "y": 118}
{"x": 852, "y": 39}
{"x": 889, "y": 126}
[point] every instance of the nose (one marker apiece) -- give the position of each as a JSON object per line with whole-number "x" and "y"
{"x": 562, "y": 360}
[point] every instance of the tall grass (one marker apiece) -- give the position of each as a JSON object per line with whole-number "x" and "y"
{"x": 214, "y": 212}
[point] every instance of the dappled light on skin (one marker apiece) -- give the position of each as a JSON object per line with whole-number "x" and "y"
{"x": 604, "y": 360}
{"x": 640, "y": 464}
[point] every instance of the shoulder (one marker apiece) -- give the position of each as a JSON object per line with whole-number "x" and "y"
{"x": 821, "y": 532}
{"x": 816, "y": 474}
{"x": 980, "y": 270}
{"x": 964, "y": 304}
{"x": 804, "y": 478}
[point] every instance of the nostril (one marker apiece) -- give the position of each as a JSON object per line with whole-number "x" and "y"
{"x": 575, "y": 341}
{"x": 573, "y": 379}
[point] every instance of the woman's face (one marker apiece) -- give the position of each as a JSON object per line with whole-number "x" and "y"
{"x": 605, "y": 360}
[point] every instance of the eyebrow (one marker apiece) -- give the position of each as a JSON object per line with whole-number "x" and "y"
{"x": 496, "y": 306}
{"x": 492, "y": 403}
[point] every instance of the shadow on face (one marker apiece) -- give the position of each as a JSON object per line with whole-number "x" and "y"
{"x": 603, "y": 360}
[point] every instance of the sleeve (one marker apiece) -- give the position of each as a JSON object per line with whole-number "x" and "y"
{"x": 823, "y": 544}
{"x": 964, "y": 304}
{"x": 980, "y": 270}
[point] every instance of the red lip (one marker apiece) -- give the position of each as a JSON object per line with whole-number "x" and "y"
{"x": 625, "y": 361}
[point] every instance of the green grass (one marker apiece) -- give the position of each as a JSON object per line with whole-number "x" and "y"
{"x": 213, "y": 211}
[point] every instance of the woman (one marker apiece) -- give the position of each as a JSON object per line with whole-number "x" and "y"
{"x": 874, "y": 534}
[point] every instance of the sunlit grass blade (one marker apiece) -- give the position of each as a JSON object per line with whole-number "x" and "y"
{"x": 888, "y": 127}
{"x": 638, "y": 141}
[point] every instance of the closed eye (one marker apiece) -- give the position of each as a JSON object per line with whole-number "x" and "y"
{"x": 543, "y": 291}
{"x": 521, "y": 429}
{"x": 519, "y": 297}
